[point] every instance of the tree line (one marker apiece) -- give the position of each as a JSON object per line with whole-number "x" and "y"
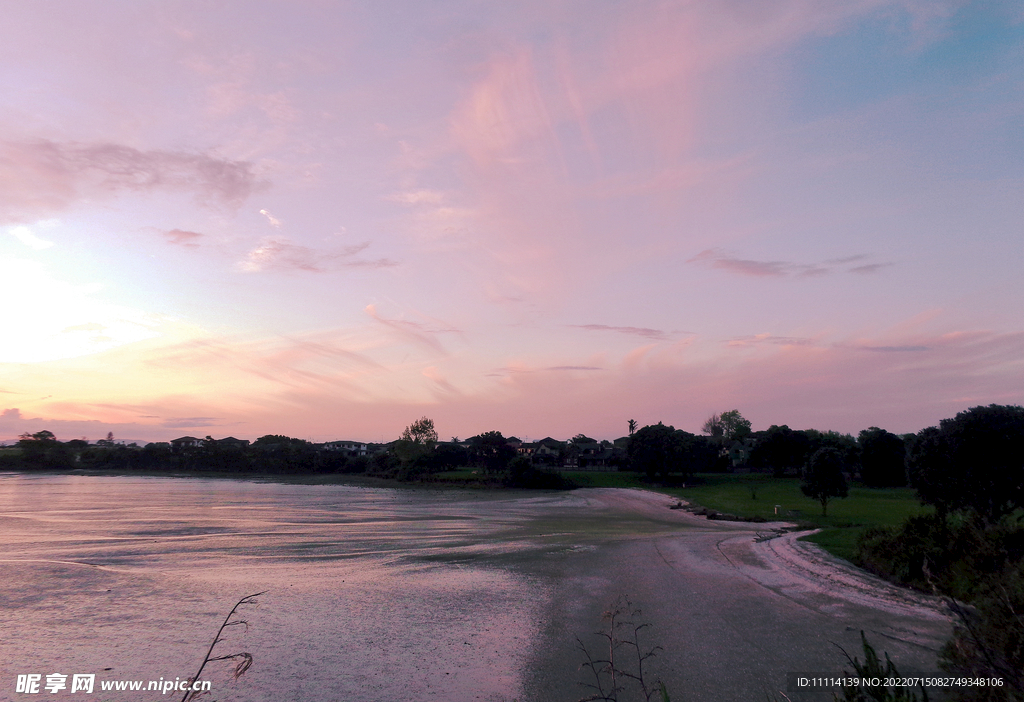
{"x": 969, "y": 461}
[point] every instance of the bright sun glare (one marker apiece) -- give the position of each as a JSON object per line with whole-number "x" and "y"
{"x": 56, "y": 320}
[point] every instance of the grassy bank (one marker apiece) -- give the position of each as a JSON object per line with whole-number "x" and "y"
{"x": 757, "y": 495}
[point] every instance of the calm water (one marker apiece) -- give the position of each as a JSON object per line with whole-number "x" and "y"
{"x": 372, "y": 594}
{"x": 406, "y": 595}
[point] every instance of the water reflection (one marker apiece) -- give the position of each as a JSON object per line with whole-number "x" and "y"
{"x": 373, "y": 593}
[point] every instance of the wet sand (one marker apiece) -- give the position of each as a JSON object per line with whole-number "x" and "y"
{"x": 733, "y": 616}
{"x": 410, "y": 595}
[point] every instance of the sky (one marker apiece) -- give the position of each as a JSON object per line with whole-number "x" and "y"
{"x": 329, "y": 219}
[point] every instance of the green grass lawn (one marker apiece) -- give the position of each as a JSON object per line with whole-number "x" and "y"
{"x": 755, "y": 494}
{"x": 605, "y": 479}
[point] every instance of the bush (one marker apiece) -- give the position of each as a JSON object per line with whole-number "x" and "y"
{"x": 523, "y": 474}
{"x": 989, "y": 640}
{"x": 953, "y": 554}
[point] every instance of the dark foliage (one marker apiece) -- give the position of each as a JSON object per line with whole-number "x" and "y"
{"x": 988, "y": 642}
{"x": 975, "y": 461}
{"x": 871, "y": 669}
{"x": 823, "y": 478}
{"x": 844, "y": 444}
{"x": 523, "y": 474}
{"x": 882, "y": 458}
{"x": 659, "y": 450}
{"x": 450, "y": 456}
{"x": 780, "y": 448}
{"x": 490, "y": 451}
{"x": 952, "y": 553}
{"x": 42, "y": 450}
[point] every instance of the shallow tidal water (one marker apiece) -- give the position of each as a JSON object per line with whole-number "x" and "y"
{"x": 371, "y": 593}
{"x": 405, "y": 594}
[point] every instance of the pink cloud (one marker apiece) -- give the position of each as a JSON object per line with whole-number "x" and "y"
{"x": 637, "y": 331}
{"x": 421, "y": 333}
{"x": 769, "y": 339}
{"x": 183, "y": 237}
{"x": 869, "y": 268}
{"x": 717, "y": 258}
{"x": 39, "y": 178}
{"x": 281, "y": 254}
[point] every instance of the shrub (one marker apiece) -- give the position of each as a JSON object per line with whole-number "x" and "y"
{"x": 523, "y": 474}
{"x": 989, "y": 640}
{"x": 952, "y": 554}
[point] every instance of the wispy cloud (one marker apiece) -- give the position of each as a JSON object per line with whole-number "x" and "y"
{"x": 718, "y": 259}
{"x": 520, "y": 369}
{"x": 894, "y": 349}
{"x": 190, "y": 422}
{"x": 441, "y": 383}
{"x": 280, "y": 253}
{"x": 183, "y": 237}
{"x": 724, "y": 260}
{"x": 423, "y": 333}
{"x": 271, "y": 219}
{"x": 771, "y": 339}
{"x": 869, "y": 268}
{"x": 846, "y": 259}
{"x": 418, "y": 197}
{"x": 41, "y": 177}
{"x": 647, "y": 333}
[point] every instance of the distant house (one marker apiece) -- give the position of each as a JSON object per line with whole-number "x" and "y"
{"x": 527, "y": 448}
{"x": 592, "y": 455}
{"x": 738, "y": 451}
{"x": 579, "y": 454}
{"x": 349, "y": 448}
{"x": 186, "y": 442}
{"x": 233, "y": 442}
{"x": 546, "y": 451}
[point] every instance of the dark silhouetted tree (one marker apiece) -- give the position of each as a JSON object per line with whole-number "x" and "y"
{"x": 713, "y": 427}
{"x": 421, "y": 432}
{"x": 490, "y": 451}
{"x": 734, "y": 426}
{"x": 845, "y": 444}
{"x": 658, "y": 450}
{"x": 415, "y": 448}
{"x": 780, "y": 448}
{"x": 42, "y": 450}
{"x": 823, "y": 479}
{"x": 882, "y": 458}
{"x": 974, "y": 460}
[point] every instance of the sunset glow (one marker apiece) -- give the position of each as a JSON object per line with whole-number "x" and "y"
{"x": 327, "y": 220}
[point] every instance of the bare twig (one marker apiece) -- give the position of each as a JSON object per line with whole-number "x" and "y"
{"x": 611, "y": 675}
{"x": 246, "y": 658}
